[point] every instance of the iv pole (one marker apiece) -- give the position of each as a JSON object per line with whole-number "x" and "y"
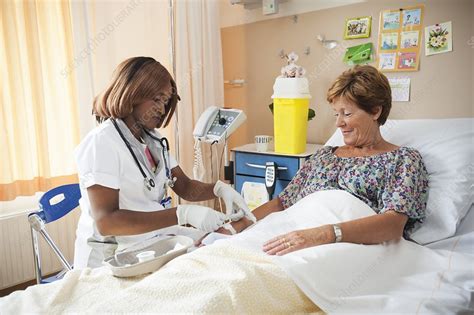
{"x": 172, "y": 56}
{"x": 171, "y": 43}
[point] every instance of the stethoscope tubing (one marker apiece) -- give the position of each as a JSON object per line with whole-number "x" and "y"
{"x": 164, "y": 144}
{"x": 166, "y": 150}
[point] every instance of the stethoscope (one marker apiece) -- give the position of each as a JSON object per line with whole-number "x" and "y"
{"x": 166, "y": 157}
{"x": 149, "y": 182}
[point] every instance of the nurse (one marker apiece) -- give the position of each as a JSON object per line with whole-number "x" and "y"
{"x": 125, "y": 169}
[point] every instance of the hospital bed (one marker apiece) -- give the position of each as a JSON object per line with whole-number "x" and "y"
{"x": 233, "y": 275}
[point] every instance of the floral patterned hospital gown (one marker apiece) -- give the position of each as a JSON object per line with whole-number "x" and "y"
{"x": 395, "y": 180}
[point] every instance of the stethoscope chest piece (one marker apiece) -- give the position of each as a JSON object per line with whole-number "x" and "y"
{"x": 149, "y": 183}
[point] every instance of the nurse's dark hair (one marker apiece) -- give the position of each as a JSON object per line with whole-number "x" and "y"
{"x": 366, "y": 87}
{"x": 135, "y": 81}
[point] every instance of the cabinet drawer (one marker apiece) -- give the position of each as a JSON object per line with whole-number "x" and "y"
{"x": 241, "y": 179}
{"x": 249, "y": 163}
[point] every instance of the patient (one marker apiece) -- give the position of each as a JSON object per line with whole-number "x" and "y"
{"x": 392, "y": 180}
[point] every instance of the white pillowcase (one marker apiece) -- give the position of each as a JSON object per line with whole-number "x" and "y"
{"x": 446, "y": 146}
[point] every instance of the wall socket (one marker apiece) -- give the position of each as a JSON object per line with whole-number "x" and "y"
{"x": 269, "y": 7}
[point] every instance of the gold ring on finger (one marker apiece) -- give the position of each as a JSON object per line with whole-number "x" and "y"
{"x": 288, "y": 244}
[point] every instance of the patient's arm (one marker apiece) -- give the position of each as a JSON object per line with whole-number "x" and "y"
{"x": 374, "y": 229}
{"x": 370, "y": 230}
{"x": 267, "y": 208}
{"x": 260, "y": 212}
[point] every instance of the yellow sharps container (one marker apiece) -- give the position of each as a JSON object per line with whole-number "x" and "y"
{"x": 290, "y": 114}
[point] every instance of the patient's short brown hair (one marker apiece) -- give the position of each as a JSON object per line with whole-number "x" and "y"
{"x": 366, "y": 87}
{"x": 136, "y": 80}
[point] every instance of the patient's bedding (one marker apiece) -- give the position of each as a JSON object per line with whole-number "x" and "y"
{"x": 213, "y": 279}
{"x": 395, "y": 180}
{"x": 233, "y": 275}
{"x": 398, "y": 277}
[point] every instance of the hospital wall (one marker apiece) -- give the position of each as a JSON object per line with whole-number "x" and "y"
{"x": 442, "y": 88}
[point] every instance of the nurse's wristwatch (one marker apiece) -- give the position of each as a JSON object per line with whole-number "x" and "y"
{"x": 337, "y": 232}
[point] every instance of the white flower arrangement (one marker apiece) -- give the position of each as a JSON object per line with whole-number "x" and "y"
{"x": 292, "y": 70}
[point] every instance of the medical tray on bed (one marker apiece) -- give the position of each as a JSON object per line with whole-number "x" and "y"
{"x": 126, "y": 263}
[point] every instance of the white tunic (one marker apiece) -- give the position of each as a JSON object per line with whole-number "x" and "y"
{"x": 103, "y": 159}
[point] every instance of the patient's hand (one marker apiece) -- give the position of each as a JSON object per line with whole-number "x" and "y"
{"x": 239, "y": 226}
{"x": 300, "y": 239}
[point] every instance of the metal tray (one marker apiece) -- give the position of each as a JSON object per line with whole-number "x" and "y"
{"x": 126, "y": 264}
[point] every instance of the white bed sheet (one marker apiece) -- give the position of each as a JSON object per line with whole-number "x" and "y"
{"x": 467, "y": 224}
{"x": 463, "y": 240}
{"x": 399, "y": 277}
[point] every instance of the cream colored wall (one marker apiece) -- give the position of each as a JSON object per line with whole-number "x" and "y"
{"x": 443, "y": 88}
{"x": 232, "y": 15}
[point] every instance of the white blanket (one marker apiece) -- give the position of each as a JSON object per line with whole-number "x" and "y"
{"x": 396, "y": 277}
{"x": 216, "y": 279}
{"x": 233, "y": 275}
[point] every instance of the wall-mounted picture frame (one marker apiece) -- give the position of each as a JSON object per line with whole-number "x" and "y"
{"x": 410, "y": 39}
{"x": 389, "y": 41}
{"x": 412, "y": 17}
{"x": 390, "y": 20}
{"x": 358, "y": 27}
{"x": 400, "y": 33}
{"x": 408, "y": 61}
{"x": 438, "y": 38}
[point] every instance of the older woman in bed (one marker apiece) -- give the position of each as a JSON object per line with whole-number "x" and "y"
{"x": 392, "y": 180}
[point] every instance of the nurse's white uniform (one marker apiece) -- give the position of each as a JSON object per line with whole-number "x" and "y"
{"x": 104, "y": 159}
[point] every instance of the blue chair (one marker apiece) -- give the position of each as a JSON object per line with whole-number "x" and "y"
{"x": 50, "y": 211}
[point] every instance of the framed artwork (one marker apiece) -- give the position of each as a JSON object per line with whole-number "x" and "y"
{"x": 358, "y": 27}
{"x": 391, "y": 20}
{"x": 400, "y": 32}
{"x": 408, "y": 60}
{"x": 387, "y": 61}
{"x": 438, "y": 38}
{"x": 412, "y": 17}
{"x": 410, "y": 39}
{"x": 389, "y": 41}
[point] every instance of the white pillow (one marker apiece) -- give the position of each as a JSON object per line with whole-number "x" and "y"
{"x": 446, "y": 146}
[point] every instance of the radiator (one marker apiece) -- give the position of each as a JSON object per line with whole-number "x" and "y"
{"x": 16, "y": 251}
